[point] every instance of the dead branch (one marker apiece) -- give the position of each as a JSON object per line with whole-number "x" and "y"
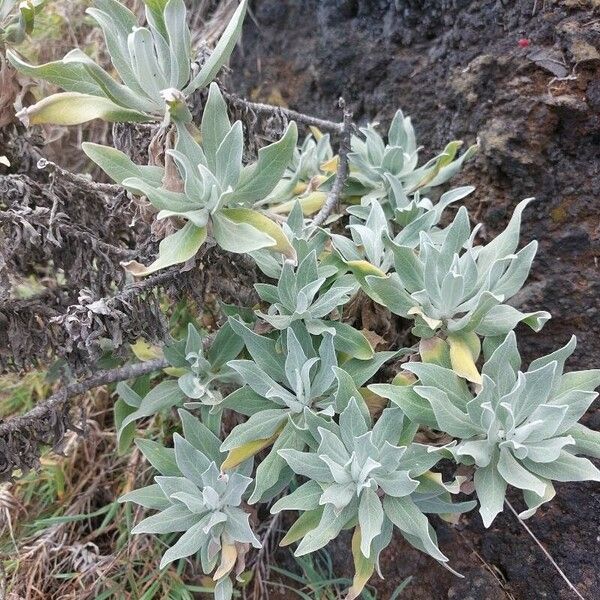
{"x": 333, "y": 198}
{"x": 76, "y": 178}
{"x": 22, "y": 438}
{"x": 284, "y": 114}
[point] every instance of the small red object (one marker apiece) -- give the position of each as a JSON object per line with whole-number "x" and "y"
{"x": 523, "y": 42}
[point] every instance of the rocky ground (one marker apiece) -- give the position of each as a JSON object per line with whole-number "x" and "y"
{"x": 523, "y": 78}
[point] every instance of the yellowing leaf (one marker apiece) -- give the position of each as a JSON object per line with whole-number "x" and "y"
{"x": 362, "y": 268}
{"x": 435, "y": 350}
{"x": 145, "y": 351}
{"x": 461, "y": 357}
{"x": 331, "y": 165}
{"x": 317, "y": 133}
{"x": 300, "y": 188}
{"x": 433, "y": 323}
{"x": 174, "y": 249}
{"x": 404, "y": 378}
{"x": 238, "y": 455}
{"x": 363, "y": 567}
{"x": 263, "y": 224}
{"x": 309, "y": 204}
{"x": 175, "y": 371}
{"x": 228, "y": 558}
{"x": 374, "y": 402}
{"x": 73, "y": 108}
{"x": 473, "y": 342}
{"x": 444, "y": 159}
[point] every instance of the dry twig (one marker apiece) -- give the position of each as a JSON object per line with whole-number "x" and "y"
{"x": 21, "y": 437}
{"x": 284, "y": 113}
{"x": 545, "y": 552}
{"x": 341, "y": 175}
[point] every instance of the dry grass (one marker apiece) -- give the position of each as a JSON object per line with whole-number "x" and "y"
{"x": 64, "y": 536}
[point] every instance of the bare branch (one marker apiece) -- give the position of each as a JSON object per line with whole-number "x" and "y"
{"x": 283, "y": 113}
{"x": 22, "y": 438}
{"x": 80, "y": 180}
{"x": 545, "y": 552}
{"x": 333, "y": 198}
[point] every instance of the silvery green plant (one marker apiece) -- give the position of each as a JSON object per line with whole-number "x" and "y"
{"x": 359, "y": 476}
{"x": 458, "y": 287}
{"x": 207, "y": 186}
{"x": 197, "y": 377}
{"x": 301, "y": 294}
{"x": 195, "y": 498}
{"x": 148, "y": 60}
{"x": 307, "y": 170}
{"x": 373, "y": 235}
{"x": 304, "y": 238}
{"x": 520, "y": 429}
{"x": 17, "y": 19}
{"x": 288, "y": 384}
{"x": 389, "y": 170}
{"x": 283, "y": 385}
{"x": 201, "y": 374}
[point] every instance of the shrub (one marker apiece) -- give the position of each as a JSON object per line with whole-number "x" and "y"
{"x": 318, "y": 409}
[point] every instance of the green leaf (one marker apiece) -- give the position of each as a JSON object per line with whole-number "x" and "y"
{"x": 165, "y": 395}
{"x": 117, "y": 22}
{"x": 306, "y": 522}
{"x": 74, "y": 108}
{"x": 191, "y": 461}
{"x": 260, "y": 426}
{"x": 222, "y": 51}
{"x": 362, "y": 370}
{"x": 189, "y": 543}
{"x": 121, "y": 411}
{"x": 246, "y": 401}
{"x": 405, "y": 515}
{"x": 450, "y": 418}
{"x": 215, "y": 125}
{"x": 71, "y": 77}
{"x": 242, "y": 230}
{"x": 329, "y": 527}
{"x": 200, "y": 436}
{"x": 118, "y": 93}
{"x": 226, "y": 346}
{"x": 174, "y": 249}
{"x": 269, "y": 470}
{"x": 491, "y": 490}
{"x": 389, "y": 292}
{"x": 370, "y": 517}
{"x": 258, "y": 180}
{"x": 587, "y": 440}
{"x": 161, "y": 458}
{"x": 262, "y": 349}
{"x": 305, "y": 497}
{"x": 416, "y": 408}
{"x": 150, "y": 496}
{"x": 175, "y": 518}
{"x": 118, "y": 166}
{"x": 350, "y": 341}
{"x": 567, "y": 468}
{"x": 178, "y": 34}
{"x": 228, "y": 158}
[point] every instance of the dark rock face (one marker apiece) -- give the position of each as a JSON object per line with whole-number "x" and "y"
{"x": 523, "y": 78}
